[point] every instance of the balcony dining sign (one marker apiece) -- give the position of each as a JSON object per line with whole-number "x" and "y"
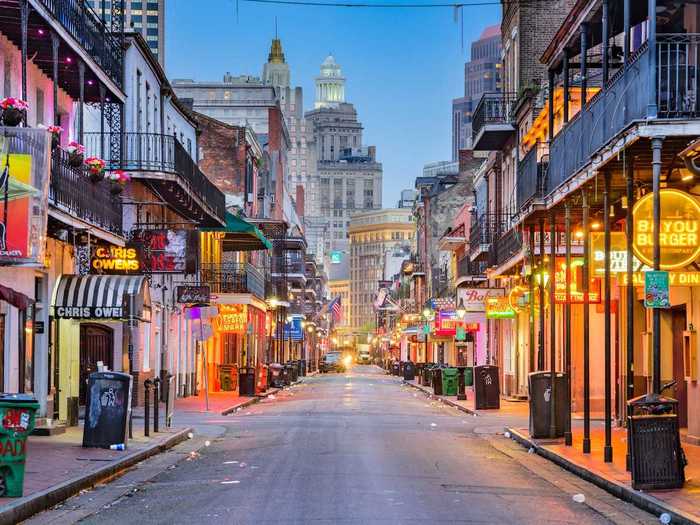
{"x": 166, "y": 250}
{"x": 24, "y": 186}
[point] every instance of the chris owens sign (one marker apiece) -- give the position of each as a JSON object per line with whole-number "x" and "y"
{"x": 679, "y": 234}
{"x": 113, "y": 259}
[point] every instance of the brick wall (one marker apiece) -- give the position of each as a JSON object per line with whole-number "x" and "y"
{"x": 222, "y": 154}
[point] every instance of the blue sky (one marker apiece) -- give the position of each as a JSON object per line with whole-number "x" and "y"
{"x": 403, "y": 67}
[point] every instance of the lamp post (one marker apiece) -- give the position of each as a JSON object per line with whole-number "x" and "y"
{"x": 427, "y": 315}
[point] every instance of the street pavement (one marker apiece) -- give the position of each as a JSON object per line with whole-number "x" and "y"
{"x": 358, "y": 447}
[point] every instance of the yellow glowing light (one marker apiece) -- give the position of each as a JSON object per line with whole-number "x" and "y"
{"x": 595, "y": 225}
{"x": 578, "y": 234}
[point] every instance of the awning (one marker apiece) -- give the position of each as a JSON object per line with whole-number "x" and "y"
{"x": 16, "y": 299}
{"x": 242, "y": 235}
{"x": 102, "y": 297}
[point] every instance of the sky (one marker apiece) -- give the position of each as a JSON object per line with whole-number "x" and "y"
{"x": 403, "y": 66}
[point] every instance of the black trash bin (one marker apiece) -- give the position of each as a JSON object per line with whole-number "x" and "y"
{"x": 286, "y": 375}
{"x": 419, "y": 371}
{"x": 294, "y": 371}
{"x": 540, "y": 387}
{"x": 656, "y": 458}
{"x": 107, "y": 409}
{"x": 409, "y": 371}
{"x": 395, "y": 368}
{"x": 303, "y": 367}
{"x": 487, "y": 392}
{"x": 275, "y": 375}
{"x": 246, "y": 381}
{"x": 427, "y": 374}
{"x": 436, "y": 379}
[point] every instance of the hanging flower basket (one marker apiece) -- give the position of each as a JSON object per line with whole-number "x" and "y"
{"x": 118, "y": 180}
{"x": 13, "y": 111}
{"x": 55, "y": 135}
{"x": 76, "y": 154}
{"x": 96, "y": 168}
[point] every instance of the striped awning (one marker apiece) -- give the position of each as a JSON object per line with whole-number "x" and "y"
{"x": 102, "y": 297}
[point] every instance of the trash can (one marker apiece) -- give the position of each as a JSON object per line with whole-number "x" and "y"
{"x": 450, "y": 378}
{"x": 246, "y": 381}
{"x": 107, "y": 409}
{"x": 293, "y": 371}
{"x": 303, "y": 367}
{"x": 228, "y": 378}
{"x": 419, "y": 371}
{"x": 18, "y": 414}
{"x": 395, "y": 368}
{"x": 262, "y": 379}
{"x": 436, "y": 379}
{"x": 487, "y": 393}
{"x": 427, "y": 373}
{"x": 540, "y": 387}
{"x": 656, "y": 458}
{"x": 409, "y": 371}
{"x": 277, "y": 374}
{"x": 469, "y": 376}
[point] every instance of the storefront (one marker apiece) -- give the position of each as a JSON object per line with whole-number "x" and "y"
{"x": 97, "y": 320}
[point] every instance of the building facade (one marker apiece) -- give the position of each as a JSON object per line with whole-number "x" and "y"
{"x": 373, "y": 235}
{"x": 482, "y": 74}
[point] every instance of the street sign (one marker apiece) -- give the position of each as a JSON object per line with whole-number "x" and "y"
{"x": 460, "y": 334}
{"x": 656, "y": 290}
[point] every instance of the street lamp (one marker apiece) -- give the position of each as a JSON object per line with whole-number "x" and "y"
{"x": 461, "y": 312}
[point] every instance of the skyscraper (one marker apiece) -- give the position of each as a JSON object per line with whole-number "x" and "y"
{"x": 147, "y": 18}
{"x": 347, "y": 177}
{"x": 482, "y": 74}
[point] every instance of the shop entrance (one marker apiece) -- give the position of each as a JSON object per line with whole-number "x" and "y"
{"x": 678, "y": 326}
{"x": 466, "y": 351}
{"x": 96, "y": 344}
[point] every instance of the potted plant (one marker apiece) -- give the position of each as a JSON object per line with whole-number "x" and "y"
{"x": 13, "y": 111}
{"x": 55, "y": 135}
{"x": 96, "y": 168}
{"x": 118, "y": 180}
{"x": 76, "y": 154}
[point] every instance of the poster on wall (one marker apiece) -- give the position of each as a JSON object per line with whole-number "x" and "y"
{"x": 166, "y": 250}
{"x": 24, "y": 186}
{"x": 656, "y": 293}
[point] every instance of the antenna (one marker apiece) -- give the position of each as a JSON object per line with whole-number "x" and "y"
{"x": 275, "y": 27}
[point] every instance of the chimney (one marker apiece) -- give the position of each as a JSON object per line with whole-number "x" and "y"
{"x": 300, "y": 201}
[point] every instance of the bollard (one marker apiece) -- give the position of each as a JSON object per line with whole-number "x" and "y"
{"x": 168, "y": 421}
{"x": 461, "y": 394}
{"x": 146, "y": 407}
{"x": 156, "y": 399}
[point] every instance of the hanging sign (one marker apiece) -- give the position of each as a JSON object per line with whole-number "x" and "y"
{"x": 460, "y": 333}
{"x": 166, "y": 251}
{"x": 499, "y": 308}
{"x": 474, "y": 299}
{"x": 232, "y": 318}
{"x": 193, "y": 294}
{"x": 679, "y": 233}
{"x": 114, "y": 259}
{"x": 656, "y": 294}
{"x": 576, "y": 295}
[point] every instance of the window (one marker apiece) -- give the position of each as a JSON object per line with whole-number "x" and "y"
{"x": 152, "y": 31}
{"x": 152, "y": 6}
{"x": 152, "y": 19}
{"x": 7, "y": 76}
{"x": 39, "y": 106}
{"x": 136, "y": 19}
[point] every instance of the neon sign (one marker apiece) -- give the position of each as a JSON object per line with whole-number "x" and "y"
{"x": 232, "y": 318}
{"x": 113, "y": 259}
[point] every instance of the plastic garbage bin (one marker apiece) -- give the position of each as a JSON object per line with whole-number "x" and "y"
{"x": 409, "y": 371}
{"x": 228, "y": 378}
{"x": 449, "y": 381}
{"x": 293, "y": 371}
{"x": 262, "y": 379}
{"x": 469, "y": 376}
{"x": 487, "y": 392}
{"x": 276, "y": 375}
{"x": 17, "y": 412}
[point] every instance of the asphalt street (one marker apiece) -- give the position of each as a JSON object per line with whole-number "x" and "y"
{"x": 357, "y": 448}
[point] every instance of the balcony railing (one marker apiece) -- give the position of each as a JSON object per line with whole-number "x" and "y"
{"x": 282, "y": 265}
{"x": 505, "y": 247}
{"x": 83, "y": 24}
{"x": 485, "y": 230}
{"x": 532, "y": 171}
{"x": 494, "y": 110}
{"x": 468, "y": 268}
{"x": 233, "y": 278}
{"x": 154, "y": 152}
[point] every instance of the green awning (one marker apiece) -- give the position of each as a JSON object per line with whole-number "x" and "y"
{"x": 241, "y": 235}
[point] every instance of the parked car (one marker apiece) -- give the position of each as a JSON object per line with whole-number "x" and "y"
{"x": 332, "y": 362}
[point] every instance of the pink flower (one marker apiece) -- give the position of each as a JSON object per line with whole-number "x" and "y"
{"x": 12, "y": 102}
{"x": 75, "y": 148}
{"x": 95, "y": 164}
{"x": 119, "y": 177}
{"x": 55, "y": 130}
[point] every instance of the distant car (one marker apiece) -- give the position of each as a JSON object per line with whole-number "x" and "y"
{"x": 364, "y": 358}
{"x": 332, "y": 362}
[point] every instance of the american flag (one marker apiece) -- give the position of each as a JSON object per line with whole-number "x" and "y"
{"x": 336, "y": 309}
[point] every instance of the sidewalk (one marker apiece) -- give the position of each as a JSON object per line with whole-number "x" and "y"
{"x": 682, "y": 504}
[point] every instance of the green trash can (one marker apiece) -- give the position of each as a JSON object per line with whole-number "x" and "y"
{"x": 17, "y": 413}
{"x": 469, "y": 376}
{"x": 450, "y": 379}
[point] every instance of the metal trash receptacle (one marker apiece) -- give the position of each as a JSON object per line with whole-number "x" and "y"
{"x": 487, "y": 391}
{"x": 657, "y": 460}
{"x": 276, "y": 375}
{"x": 436, "y": 379}
{"x": 409, "y": 371}
{"x": 540, "y": 388}
{"x": 246, "y": 381}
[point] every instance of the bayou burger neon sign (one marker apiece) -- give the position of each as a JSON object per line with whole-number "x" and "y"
{"x": 679, "y": 234}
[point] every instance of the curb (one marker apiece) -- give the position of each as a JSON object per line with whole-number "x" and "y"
{"x": 441, "y": 399}
{"x": 621, "y": 491}
{"x": 27, "y": 506}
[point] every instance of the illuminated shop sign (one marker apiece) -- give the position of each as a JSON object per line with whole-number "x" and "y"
{"x": 679, "y": 235}
{"x": 576, "y": 295}
{"x": 114, "y": 259}
{"x": 499, "y": 308}
{"x": 232, "y": 318}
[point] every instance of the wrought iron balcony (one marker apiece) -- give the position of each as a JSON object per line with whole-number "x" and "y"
{"x": 233, "y": 278}
{"x": 88, "y": 30}
{"x": 505, "y": 247}
{"x": 162, "y": 160}
{"x": 485, "y": 230}
{"x": 470, "y": 270}
{"x": 492, "y": 123}
{"x": 532, "y": 172}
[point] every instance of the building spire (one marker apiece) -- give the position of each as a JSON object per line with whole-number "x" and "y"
{"x": 276, "y": 55}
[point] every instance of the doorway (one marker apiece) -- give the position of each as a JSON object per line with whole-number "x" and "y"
{"x": 96, "y": 344}
{"x": 680, "y": 391}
